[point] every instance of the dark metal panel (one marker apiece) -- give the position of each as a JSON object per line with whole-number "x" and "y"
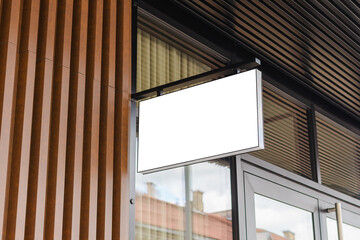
{"x": 315, "y": 41}
{"x": 200, "y": 78}
{"x": 315, "y": 165}
{"x": 234, "y": 198}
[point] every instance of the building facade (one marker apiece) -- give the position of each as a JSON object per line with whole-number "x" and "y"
{"x": 73, "y": 72}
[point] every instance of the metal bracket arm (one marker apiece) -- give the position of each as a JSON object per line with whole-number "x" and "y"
{"x": 211, "y": 75}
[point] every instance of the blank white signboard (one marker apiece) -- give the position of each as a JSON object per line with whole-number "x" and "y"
{"x": 216, "y": 119}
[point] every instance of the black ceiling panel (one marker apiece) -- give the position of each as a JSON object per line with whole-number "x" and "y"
{"x": 317, "y": 42}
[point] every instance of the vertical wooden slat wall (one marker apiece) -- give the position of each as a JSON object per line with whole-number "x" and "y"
{"x": 65, "y": 85}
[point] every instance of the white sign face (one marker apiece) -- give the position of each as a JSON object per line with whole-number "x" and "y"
{"x": 216, "y": 119}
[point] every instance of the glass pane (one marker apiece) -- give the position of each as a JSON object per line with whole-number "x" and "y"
{"x": 159, "y": 62}
{"x": 276, "y": 220}
{"x": 159, "y": 205}
{"x": 286, "y": 134}
{"x": 349, "y": 232}
{"x": 211, "y": 200}
{"x": 192, "y": 202}
{"x": 339, "y": 156}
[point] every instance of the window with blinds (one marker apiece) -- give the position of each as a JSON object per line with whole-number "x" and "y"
{"x": 339, "y": 156}
{"x": 178, "y": 203}
{"x": 286, "y": 134}
{"x": 159, "y": 63}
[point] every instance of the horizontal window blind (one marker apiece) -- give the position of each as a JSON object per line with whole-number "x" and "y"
{"x": 339, "y": 156}
{"x": 286, "y": 134}
{"x": 158, "y": 62}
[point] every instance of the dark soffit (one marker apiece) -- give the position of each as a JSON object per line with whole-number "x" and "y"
{"x": 314, "y": 41}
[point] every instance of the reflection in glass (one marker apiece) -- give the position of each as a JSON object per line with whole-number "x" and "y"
{"x": 334, "y": 143}
{"x": 192, "y": 202}
{"x": 349, "y": 232}
{"x": 160, "y": 201}
{"x": 276, "y": 220}
{"x": 286, "y": 134}
{"x": 211, "y": 200}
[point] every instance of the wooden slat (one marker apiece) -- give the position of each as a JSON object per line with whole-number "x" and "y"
{"x": 92, "y": 122}
{"x": 59, "y": 114}
{"x": 23, "y": 121}
{"x": 122, "y": 113}
{"x": 39, "y": 152}
{"x": 1, "y": 3}
{"x": 75, "y": 131}
{"x": 110, "y": 118}
{"x": 106, "y": 157}
{"x": 105, "y": 201}
{"x": 9, "y": 31}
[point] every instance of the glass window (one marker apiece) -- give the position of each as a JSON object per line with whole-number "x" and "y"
{"x": 159, "y": 61}
{"x": 349, "y": 232}
{"x": 339, "y": 156}
{"x": 280, "y": 221}
{"x": 192, "y": 202}
{"x": 286, "y": 134}
{"x": 159, "y": 205}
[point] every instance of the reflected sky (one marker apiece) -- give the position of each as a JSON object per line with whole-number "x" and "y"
{"x": 349, "y": 232}
{"x": 276, "y": 217}
{"x": 169, "y": 185}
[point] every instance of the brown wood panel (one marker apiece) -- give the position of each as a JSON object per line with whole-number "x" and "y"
{"x": 56, "y": 169}
{"x": 109, "y": 52}
{"x": 1, "y": 3}
{"x": 121, "y": 175}
{"x": 72, "y": 198}
{"x": 65, "y": 81}
{"x": 75, "y": 131}
{"x": 21, "y": 148}
{"x": 105, "y": 191}
{"x": 92, "y": 122}
{"x": 29, "y": 26}
{"x": 122, "y": 114}
{"x": 59, "y": 114}
{"x": 7, "y": 77}
{"x": 90, "y": 161}
{"x": 10, "y": 16}
{"x": 63, "y": 64}
{"x": 104, "y": 217}
{"x": 9, "y": 31}
{"x": 39, "y": 152}
{"x": 23, "y": 122}
{"x": 46, "y": 34}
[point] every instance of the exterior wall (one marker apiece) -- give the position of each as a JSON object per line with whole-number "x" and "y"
{"x": 65, "y": 72}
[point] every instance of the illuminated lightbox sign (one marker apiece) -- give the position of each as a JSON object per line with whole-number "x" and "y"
{"x": 216, "y": 119}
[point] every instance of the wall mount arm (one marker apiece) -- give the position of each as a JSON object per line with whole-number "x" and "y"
{"x": 211, "y": 75}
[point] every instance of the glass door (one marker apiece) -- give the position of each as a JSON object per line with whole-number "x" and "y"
{"x": 350, "y": 221}
{"x": 276, "y": 212}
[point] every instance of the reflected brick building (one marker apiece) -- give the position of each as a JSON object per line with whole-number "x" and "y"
{"x": 157, "y": 219}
